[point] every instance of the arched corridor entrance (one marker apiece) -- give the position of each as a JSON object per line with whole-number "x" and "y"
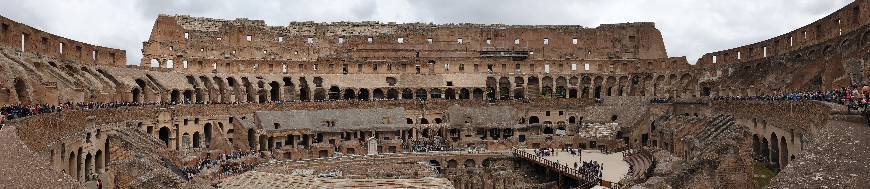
{"x": 163, "y": 135}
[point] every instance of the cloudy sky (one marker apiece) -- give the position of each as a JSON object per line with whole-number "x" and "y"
{"x": 690, "y": 27}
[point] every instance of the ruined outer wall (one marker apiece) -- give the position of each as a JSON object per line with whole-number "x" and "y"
{"x": 45, "y": 44}
{"x": 845, "y": 20}
{"x": 181, "y": 38}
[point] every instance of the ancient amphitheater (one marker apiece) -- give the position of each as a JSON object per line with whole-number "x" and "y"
{"x": 240, "y": 104}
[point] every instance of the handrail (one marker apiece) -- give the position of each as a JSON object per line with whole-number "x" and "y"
{"x": 576, "y": 173}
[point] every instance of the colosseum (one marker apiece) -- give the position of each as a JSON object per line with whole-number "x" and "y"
{"x": 218, "y": 103}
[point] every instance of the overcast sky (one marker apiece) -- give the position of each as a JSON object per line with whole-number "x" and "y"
{"x": 690, "y": 27}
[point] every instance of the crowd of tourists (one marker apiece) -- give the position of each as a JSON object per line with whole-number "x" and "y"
{"x": 229, "y": 164}
{"x": 591, "y": 170}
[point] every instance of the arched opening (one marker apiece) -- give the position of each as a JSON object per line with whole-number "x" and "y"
{"x": 407, "y": 94}
{"x": 774, "y": 149}
{"x": 320, "y": 94}
{"x": 464, "y": 94}
{"x": 207, "y": 132}
{"x": 98, "y": 162}
{"x": 174, "y": 96}
{"x": 755, "y": 145}
{"x": 252, "y": 140}
{"x": 364, "y": 94}
{"x": 71, "y": 164}
{"x": 422, "y": 94}
{"x": 334, "y": 93}
{"x": 534, "y": 120}
{"x": 185, "y": 141}
{"x": 435, "y": 164}
{"x": 163, "y": 135}
{"x": 477, "y": 94}
{"x": 196, "y": 140}
{"x": 88, "y": 162}
{"x": 137, "y": 95}
{"x": 765, "y": 150}
{"x": 424, "y": 121}
{"x": 409, "y": 121}
{"x": 22, "y": 92}
{"x": 490, "y": 93}
{"x": 560, "y": 92}
{"x": 452, "y": 163}
{"x": 188, "y": 96}
{"x": 436, "y": 93}
{"x": 572, "y": 120}
{"x": 378, "y": 94}
{"x": 275, "y": 91}
{"x": 450, "y": 94}
{"x": 349, "y": 94}
{"x": 263, "y": 142}
{"x": 597, "y": 92}
{"x": 392, "y": 94}
{"x": 303, "y": 94}
{"x": 469, "y": 163}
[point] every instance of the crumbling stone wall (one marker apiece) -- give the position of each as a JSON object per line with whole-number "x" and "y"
{"x": 31, "y": 40}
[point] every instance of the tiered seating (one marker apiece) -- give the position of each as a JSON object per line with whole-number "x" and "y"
{"x": 639, "y": 162}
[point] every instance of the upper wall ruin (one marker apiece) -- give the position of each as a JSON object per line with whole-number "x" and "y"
{"x": 845, "y": 20}
{"x": 181, "y": 38}
{"x": 32, "y": 40}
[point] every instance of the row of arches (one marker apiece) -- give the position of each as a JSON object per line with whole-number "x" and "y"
{"x": 218, "y": 89}
{"x": 772, "y": 150}
{"x": 85, "y": 165}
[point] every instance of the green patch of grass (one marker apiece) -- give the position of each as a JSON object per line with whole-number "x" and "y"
{"x": 762, "y": 175}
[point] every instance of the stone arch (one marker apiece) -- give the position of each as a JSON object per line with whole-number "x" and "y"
{"x": 319, "y": 94}
{"x": 334, "y": 93}
{"x": 22, "y": 91}
{"x": 756, "y": 149}
{"x": 393, "y": 94}
{"x": 534, "y": 120}
{"x": 252, "y": 140}
{"x": 274, "y": 91}
{"x": 185, "y": 141}
{"x": 378, "y": 94}
{"x": 263, "y": 141}
{"x": 349, "y": 94}
{"x": 72, "y": 165}
{"x": 436, "y": 93}
{"x": 477, "y": 94}
{"x": 469, "y": 163}
{"x": 410, "y": 121}
{"x": 464, "y": 94}
{"x": 424, "y": 121}
{"x": 421, "y": 94}
{"x": 364, "y": 94}
{"x": 89, "y": 159}
{"x": 136, "y": 95}
{"x": 450, "y": 93}
{"x": 206, "y": 129}
{"x": 452, "y": 163}
{"x": 774, "y": 149}
{"x": 197, "y": 140}
{"x": 504, "y": 88}
{"x": 407, "y": 93}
